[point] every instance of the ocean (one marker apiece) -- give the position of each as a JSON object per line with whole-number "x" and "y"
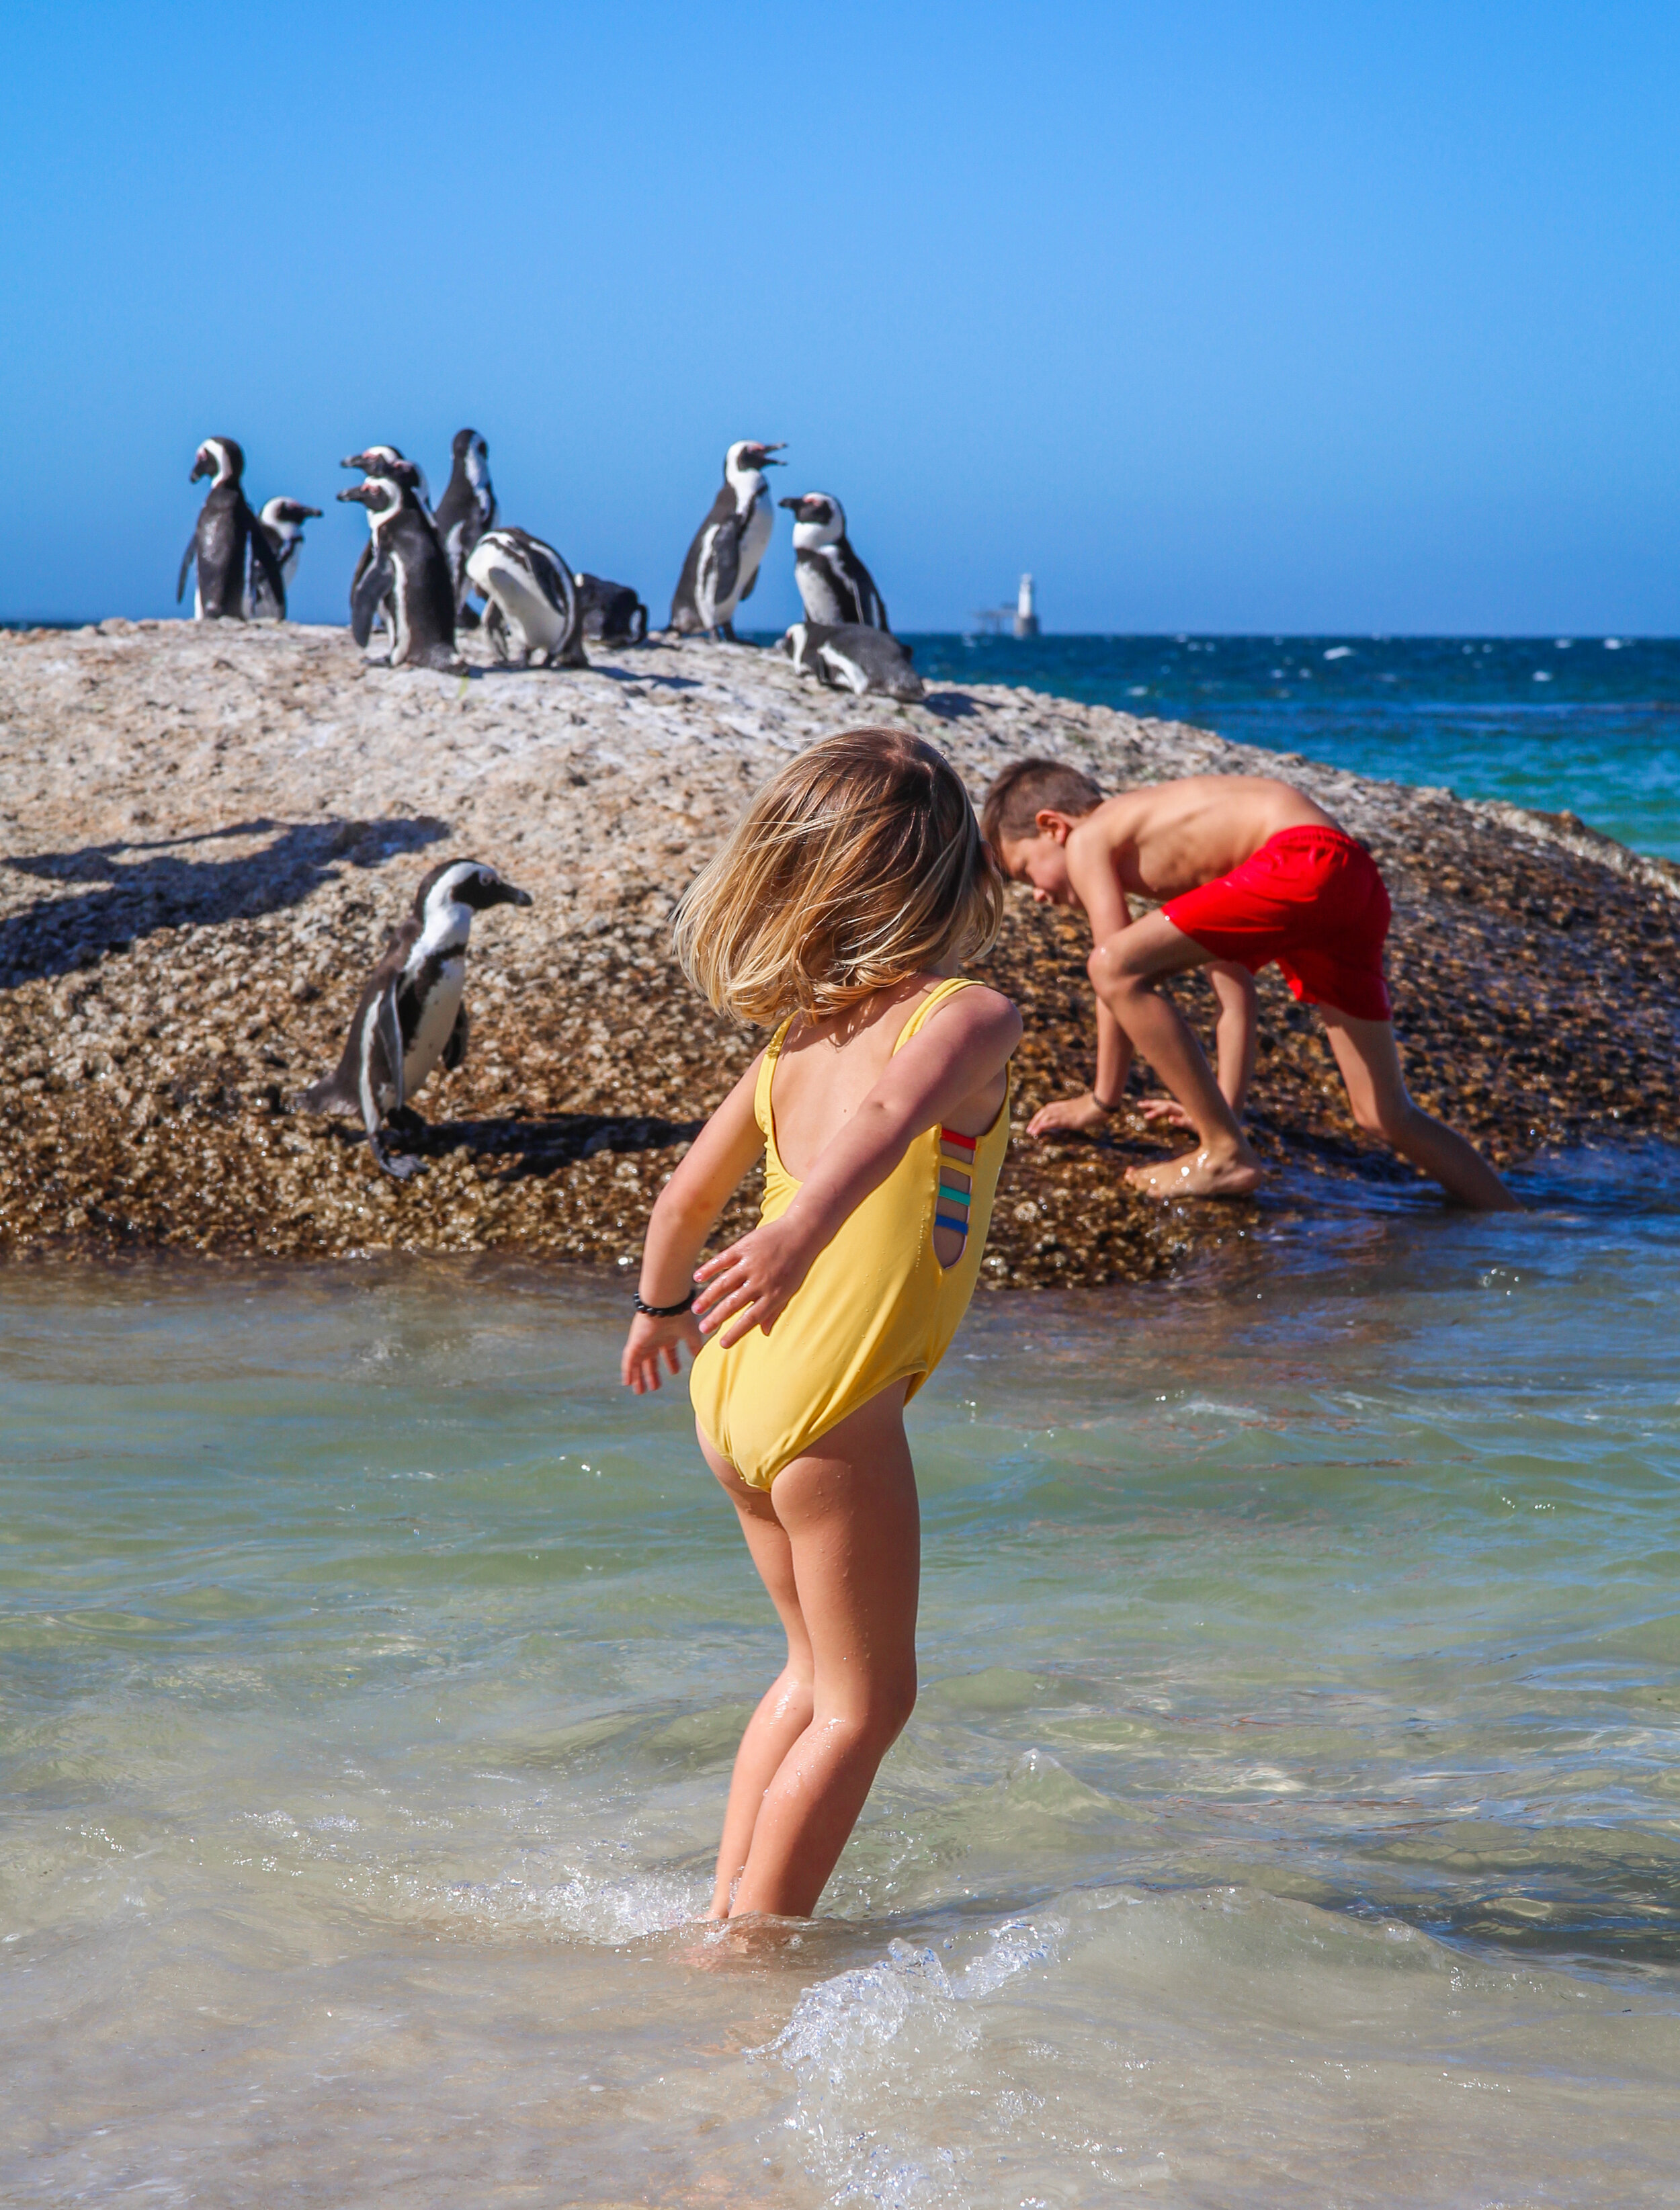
{"x": 1291, "y": 1816}
{"x": 1587, "y": 724}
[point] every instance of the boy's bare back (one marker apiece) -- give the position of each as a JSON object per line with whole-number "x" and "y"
{"x": 1159, "y": 840}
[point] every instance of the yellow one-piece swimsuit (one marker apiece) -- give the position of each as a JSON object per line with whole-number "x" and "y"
{"x": 876, "y": 1306}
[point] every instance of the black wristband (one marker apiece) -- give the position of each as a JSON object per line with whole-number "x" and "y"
{"x": 664, "y": 1311}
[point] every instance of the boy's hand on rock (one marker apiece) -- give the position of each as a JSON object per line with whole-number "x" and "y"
{"x": 1067, "y": 1116}
{"x": 1167, "y": 1109}
{"x": 748, "y": 1285}
{"x": 650, "y": 1341}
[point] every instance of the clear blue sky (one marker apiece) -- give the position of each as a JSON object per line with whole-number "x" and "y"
{"x": 1301, "y": 318}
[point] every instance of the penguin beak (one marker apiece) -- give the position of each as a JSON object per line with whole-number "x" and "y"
{"x": 507, "y": 895}
{"x": 362, "y": 492}
{"x": 353, "y": 461}
{"x": 796, "y": 504}
{"x": 311, "y": 513}
{"x": 201, "y": 467}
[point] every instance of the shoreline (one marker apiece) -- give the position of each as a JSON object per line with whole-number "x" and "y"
{"x": 208, "y": 830}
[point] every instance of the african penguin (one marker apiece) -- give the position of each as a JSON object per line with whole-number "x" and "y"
{"x": 611, "y": 611}
{"x": 370, "y": 460}
{"x": 282, "y": 521}
{"x": 533, "y": 615}
{"x": 406, "y": 575}
{"x": 410, "y": 1014}
{"x": 853, "y": 657}
{"x": 833, "y": 583}
{"x": 723, "y": 562}
{"x": 466, "y": 511}
{"x": 225, "y": 539}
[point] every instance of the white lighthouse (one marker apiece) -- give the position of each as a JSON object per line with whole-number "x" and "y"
{"x": 1026, "y": 614}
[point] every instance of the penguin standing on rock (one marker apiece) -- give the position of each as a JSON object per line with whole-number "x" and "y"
{"x": 833, "y": 583}
{"x": 406, "y": 575}
{"x": 282, "y": 521}
{"x": 466, "y": 511}
{"x": 533, "y": 614}
{"x": 225, "y": 540}
{"x": 411, "y": 1013}
{"x": 722, "y": 563}
{"x": 371, "y": 460}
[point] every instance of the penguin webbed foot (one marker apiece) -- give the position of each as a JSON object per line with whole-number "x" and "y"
{"x": 404, "y": 1121}
{"x": 400, "y": 1166}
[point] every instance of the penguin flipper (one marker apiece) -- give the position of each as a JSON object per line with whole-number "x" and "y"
{"x": 726, "y": 559}
{"x": 372, "y": 585}
{"x": 454, "y": 1050}
{"x": 752, "y": 586}
{"x": 391, "y": 1036}
{"x": 262, "y": 555}
{"x": 187, "y": 558}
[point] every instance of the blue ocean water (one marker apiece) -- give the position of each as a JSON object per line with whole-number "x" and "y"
{"x": 1591, "y": 724}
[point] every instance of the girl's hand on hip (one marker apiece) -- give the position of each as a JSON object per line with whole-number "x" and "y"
{"x": 748, "y": 1284}
{"x": 651, "y": 1340}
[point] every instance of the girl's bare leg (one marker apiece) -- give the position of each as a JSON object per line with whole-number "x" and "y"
{"x": 1370, "y": 1058}
{"x": 784, "y": 1709}
{"x": 848, "y": 1512}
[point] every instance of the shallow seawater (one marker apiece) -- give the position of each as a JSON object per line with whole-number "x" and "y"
{"x": 1291, "y": 1814}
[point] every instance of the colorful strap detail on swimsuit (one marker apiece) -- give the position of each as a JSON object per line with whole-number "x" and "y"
{"x": 961, "y": 1149}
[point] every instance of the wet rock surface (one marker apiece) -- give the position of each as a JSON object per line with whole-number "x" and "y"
{"x": 209, "y": 830}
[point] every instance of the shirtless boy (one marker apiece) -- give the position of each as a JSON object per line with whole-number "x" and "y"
{"x": 1248, "y": 870}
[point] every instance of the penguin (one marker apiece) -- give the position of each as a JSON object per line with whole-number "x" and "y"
{"x": 369, "y": 461}
{"x": 612, "y": 613}
{"x": 405, "y": 574}
{"x": 466, "y": 511}
{"x": 282, "y": 521}
{"x": 833, "y": 583}
{"x": 533, "y": 614}
{"x": 225, "y": 539}
{"x": 723, "y": 562}
{"x": 410, "y": 1014}
{"x": 854, "y": 657}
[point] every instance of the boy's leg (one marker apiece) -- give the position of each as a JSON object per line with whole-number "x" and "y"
{"x": 853, "y": 1524}
{"x": 1368, "y": 1055}
{"x": 1124, "y": 969}
{"x": 784, "y": 1709}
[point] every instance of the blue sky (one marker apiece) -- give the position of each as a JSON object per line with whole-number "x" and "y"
{"x": 1233, "y": 317}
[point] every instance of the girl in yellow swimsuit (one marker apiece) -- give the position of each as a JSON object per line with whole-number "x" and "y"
{"x": 836, "y": 913}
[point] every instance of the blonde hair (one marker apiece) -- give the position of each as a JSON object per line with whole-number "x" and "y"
{"x": 860, "y": 863}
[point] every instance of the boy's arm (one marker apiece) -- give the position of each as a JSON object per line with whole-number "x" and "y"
{"x": 1094, "y": 873}
{"x": 684, "y": 1215}
{"x": 965, "y": 1046}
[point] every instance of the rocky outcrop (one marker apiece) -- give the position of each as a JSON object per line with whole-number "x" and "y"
{"x": 208, "y": 830}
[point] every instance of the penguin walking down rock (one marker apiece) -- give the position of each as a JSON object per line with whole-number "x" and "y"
{"x": 411, "y": 1014}
{"x": 612, "y": 614}
{"x": 466, "y": 511}
{"x": 834, "y": 584}
{"x": 533, "y": 617}
{"x": 851, "y": 656}
{"x": 406, "y": 575}
{"x": 225, "y": 540}
{"x": 282, "y": 521}
{"x": 723, "y": 562}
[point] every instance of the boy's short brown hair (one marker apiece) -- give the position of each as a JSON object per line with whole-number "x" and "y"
{"x": 1028, "y": 788}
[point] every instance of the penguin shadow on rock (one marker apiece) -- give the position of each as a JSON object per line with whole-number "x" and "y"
{"x": 156, "y": 883}
{"x": 412, "y": 1017}
{"x": 534, "y": 1146}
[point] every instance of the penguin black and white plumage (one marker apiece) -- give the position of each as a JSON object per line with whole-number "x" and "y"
{"x": 723, "y": 562}
{"x": 612, "y": 614}
{"x": 834, "y": 585}
{"x": 225, "y": 540}
{"x": 853, "y": 657}
{"x": 466, "y": 511}
{"x": 411, "y": 1014}
{"x": 371, "y": 460}
{"x": 533, "y": 616}
{"x": 406, "y": 576}
{"x": 282, "y": 521}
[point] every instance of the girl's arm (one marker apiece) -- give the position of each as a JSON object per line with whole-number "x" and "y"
{"x": 964, "y": 1049}
{"x": 684, "y": 1215}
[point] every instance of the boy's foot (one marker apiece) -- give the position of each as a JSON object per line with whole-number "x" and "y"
{"x": 1198, "y": 1174}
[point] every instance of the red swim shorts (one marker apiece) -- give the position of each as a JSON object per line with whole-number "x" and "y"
{"x": 1313, "y": 900}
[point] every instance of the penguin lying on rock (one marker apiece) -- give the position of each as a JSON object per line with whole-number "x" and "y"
{"x": 847, "y": 656}
{"x": 612, "y": 614}
{"x": 533, "y": 617}
{"x": 226, "y": 536}
{"x": 411, "y": 1015}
